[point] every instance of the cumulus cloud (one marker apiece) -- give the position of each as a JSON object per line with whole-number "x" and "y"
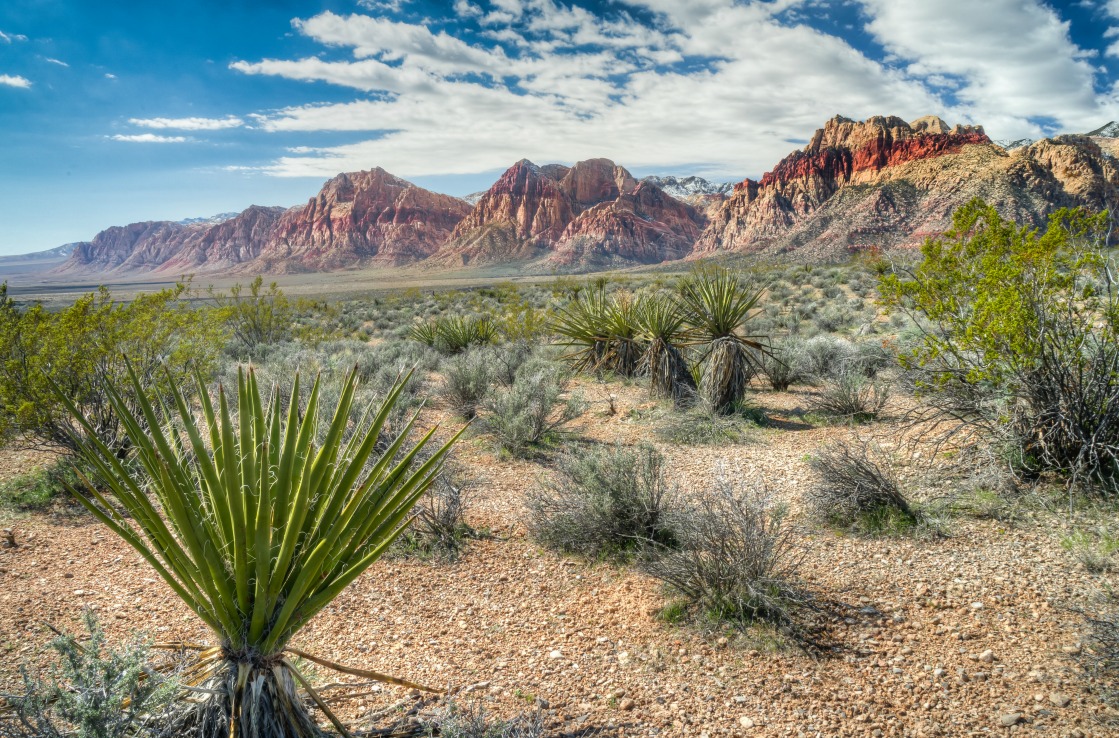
{"x": 148, "y": 138}
{"x": 713, "y": 86}
{"x": 14, "y": 80}
{"x": 189, "y": 124}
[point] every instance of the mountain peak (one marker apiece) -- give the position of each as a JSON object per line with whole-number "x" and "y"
{"x": 1109, "y": 130}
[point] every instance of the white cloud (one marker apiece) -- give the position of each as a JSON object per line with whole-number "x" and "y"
{"x": 110, "y": 76}
{"x": 148, "y": 138}
{"x": 59, "y": 62}
{"x": 8, "y": 38}
{"x": 189, "y": 124}
{"x": 556, "y": 82}
{"x": 391, "y": 5}
{"x": 14, "y": 80}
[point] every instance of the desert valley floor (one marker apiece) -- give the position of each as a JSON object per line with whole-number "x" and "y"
{"x": 972, "y": 633}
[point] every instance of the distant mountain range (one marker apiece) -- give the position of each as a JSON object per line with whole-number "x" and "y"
{"x": 879, "y": 183}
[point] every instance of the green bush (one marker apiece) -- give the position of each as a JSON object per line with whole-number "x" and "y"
{"x": 81, "y": 349}
{"x": 467, "y": 379}
{"x": 1019, "y": 338}
{"x": 261, "y": 317}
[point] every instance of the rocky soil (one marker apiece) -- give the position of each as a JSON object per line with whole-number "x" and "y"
{"x": 974, "y": 633}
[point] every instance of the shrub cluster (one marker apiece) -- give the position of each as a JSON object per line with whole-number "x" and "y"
{"x": 854, "y": 489}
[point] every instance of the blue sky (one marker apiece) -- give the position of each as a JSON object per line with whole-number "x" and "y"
{"x": 117, "y": 112}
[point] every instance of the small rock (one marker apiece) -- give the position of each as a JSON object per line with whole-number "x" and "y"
{"x": 977, "y": 606}
{"x": 626, "y": 705}
{"x": 1010, "y": 718}
{"x": 555, "y": 654}
{"x": 1071, "y": 650}
{"x": 987, "y": 656}
{"x": 745, "y": 722}
{"x": 1060, "y": 700}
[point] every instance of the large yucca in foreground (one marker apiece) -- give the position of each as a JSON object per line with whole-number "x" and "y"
{"x": 257, "y": 528}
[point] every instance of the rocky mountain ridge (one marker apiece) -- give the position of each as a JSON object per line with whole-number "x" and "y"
{"x": 879, "y": 183}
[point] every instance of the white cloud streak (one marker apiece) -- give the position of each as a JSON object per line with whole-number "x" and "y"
{"x": 713, "y": 86}
{"x": 59, "y": 62}
{"x": 8, "y": 38}
{"x": 15, "y": 80}
{"x": 148, "y": 138}
{"x": 189, "y": 124}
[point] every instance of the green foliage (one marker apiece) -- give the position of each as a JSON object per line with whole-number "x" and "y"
{"x": 93, "y": 692}
{"x": 80, "y": 349}
{"x": 1018, "y": 338}
{"x": 453, "y": 334}
{"x": 37, "y": 489}
{"x": 663, "y": 330}
{"x": 255, "y": 525}
{"x": 263, "y": 316}
{"x": 602, "y": 332}
{"x": 987, "y": 285}
{"x": 603, "y": 503}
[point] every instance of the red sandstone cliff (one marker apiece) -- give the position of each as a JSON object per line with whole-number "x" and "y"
{"x": 887, "y": 183}
{"x": 593, "y": 213}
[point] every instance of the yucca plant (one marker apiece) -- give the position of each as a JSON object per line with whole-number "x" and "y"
{"x": 719, "y": 307}
{"x": 661, "y": 324}
{"x": 257, "y": 528}
{"x": 603, "y": 332}
{"x": 454, "y": 334}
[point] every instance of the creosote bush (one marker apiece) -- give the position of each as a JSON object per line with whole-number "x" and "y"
{"x": 855, "y": 490}
{"x": 784, "y": 364}
{"x": 603, "y": 503}
{"x": 735, "y": 558}
{"x": 1019, "y": 339}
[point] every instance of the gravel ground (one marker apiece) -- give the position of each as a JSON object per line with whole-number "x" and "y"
{"x": 973, "y": 633}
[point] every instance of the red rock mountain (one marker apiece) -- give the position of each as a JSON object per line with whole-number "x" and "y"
{"x": 887, "y": 183}
{"x": 357, "y": 219}
{"x": 591, "y": 215}
{"x": 881, "y": 183}
{"x": 363, "y": 218}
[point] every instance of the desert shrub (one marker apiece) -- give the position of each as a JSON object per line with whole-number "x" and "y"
{"x": 826, "y": 356}
{"x": 699, "y": 426}
{"x": 507, "y": 360}
{"x": 784, "y": 365}
{"x": 735, "y": 557}
{"x": 440, "y": 527}
{"x": 38, "y": 489}
{"x": 467, "y": 379}
{"x": 472, "y": 721}
{"x": 1018, "y": 342}
{"x": 1101, "y": 653}
{"x": 531, "y": 414}
{"x": 852, "y": 397}
{"x": 81, "y": 349}
{"x": 857, "y": 491}
{"x": 92, "y": 692}
{"x": 603, "y": 503}
{"x": 259, "y": 317}
{"x": 871, "y": 357}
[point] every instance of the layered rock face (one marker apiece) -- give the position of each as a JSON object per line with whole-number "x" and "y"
{"x": 362, "y": 218}
{"x": 886, "y": 183}
{"x": 357, "y": 219}
{"x": 593, "y": 213}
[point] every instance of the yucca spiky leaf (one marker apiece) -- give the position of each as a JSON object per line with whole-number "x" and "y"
{"x": 602, "y": 332}
{"x": 254, "y": 525}
{"x": 663, "y": 330}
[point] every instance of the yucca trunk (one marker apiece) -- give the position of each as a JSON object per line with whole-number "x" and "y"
{"x": 668, "y": 373}
{"x": 726, "y": 375}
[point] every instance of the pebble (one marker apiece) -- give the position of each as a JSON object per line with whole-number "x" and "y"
{"x": 1010, "y": 718}
{"x": 745, "y": 722}
{"x": 555, "y": 654}
{"x": 626, "y": 705}
{"x": 987, "y": 656}
{"x": 1060, "y": 700}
